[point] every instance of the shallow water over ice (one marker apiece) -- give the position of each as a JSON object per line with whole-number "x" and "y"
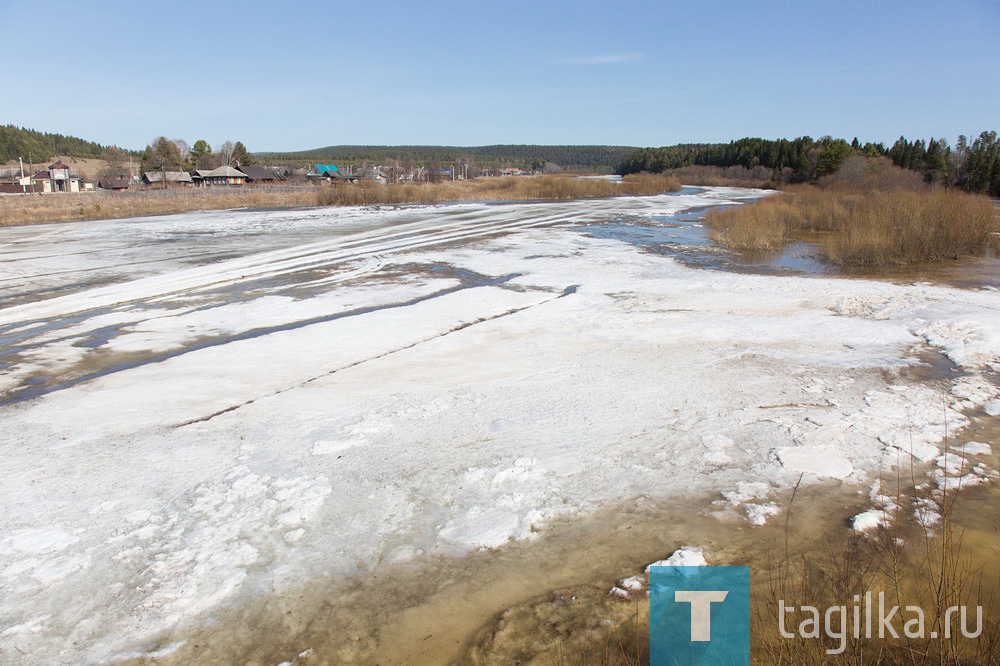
{"x": 684, "y": 237}
{"x": 302, "y": 438}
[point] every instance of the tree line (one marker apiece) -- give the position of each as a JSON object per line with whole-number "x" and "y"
{"x": 605, "y": 158}
{"x": 973, "y": 166}
{"x": 164, "y": 154}
{"x": 36, "y": 146}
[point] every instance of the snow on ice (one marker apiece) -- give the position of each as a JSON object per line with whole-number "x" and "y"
{"x": 271, "y": 396}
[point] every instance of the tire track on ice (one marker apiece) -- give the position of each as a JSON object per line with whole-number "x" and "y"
{"x": 482, "y": 320}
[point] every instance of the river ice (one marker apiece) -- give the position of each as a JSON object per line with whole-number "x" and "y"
{"x": 202, "y": 408}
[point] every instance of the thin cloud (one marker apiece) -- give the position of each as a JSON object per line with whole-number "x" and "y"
{"x": 601, "y": 59}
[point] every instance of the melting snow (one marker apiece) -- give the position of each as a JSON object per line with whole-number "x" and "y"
{"x": 319, "y": 392}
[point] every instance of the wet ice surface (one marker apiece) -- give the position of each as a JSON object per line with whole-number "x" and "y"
{"x": 206, "y": 408}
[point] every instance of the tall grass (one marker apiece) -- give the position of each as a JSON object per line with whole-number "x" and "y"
{"x": 911, "y": 567}
{"x": 874, "y": 228}
{"x": 493, "y": 189}
{"x": 733, "y": 176}
{"x": 67, "y": 207}
{"x": 39, "y": 209}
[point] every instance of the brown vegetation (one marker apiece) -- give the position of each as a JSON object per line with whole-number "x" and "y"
{"x": 911, "y": 566}
{"x": 48, "y": 208}
{"x": 733, "y": 176}
{"x": 40, "y": 209}
{"x": 885, "y": 225}
{"x": 494, "y": 189}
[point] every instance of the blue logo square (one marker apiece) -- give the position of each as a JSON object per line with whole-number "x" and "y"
{"x": 699, "y": 615}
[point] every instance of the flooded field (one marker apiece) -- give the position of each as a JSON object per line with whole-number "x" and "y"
{"x": 366, "y": 432}
{"x": 684, "y": 237}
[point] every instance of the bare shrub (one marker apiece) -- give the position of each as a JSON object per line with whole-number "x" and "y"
{"x": 733, "y": 176}
{"x": 908, "y": 227}
{"x": 493, "y": 189}
{"x": 865, "y": 174}
{"x": 763, "y": 226}
{"x": 877, "y": 228}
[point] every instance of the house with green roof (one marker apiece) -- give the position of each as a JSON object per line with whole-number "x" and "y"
{"x": 328, "y": 172}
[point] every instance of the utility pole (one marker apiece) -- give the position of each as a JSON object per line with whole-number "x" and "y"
{"x": 163, "y": 174}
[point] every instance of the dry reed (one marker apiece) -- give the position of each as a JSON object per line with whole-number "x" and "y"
{"x": 50, "y": 208}
{"x": 493, "y": 189}
{"x": 41, "y": 209}
{"x": 875, "y": 228}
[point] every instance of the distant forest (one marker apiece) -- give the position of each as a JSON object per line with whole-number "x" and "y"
{"x": 29, "y": 144}
{"x": 592, "y": 158}
{"x": 972, "y": 166}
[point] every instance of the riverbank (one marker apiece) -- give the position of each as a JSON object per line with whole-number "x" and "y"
{"x": 241, "y": 435}
{"x": 65, "y": 207}
{"x": 17, "y": 210}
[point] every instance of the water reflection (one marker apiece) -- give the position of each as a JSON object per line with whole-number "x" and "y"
{"x": 684, "y": 237}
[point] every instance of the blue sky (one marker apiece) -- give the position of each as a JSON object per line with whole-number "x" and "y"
{"x": 293, "y": 76}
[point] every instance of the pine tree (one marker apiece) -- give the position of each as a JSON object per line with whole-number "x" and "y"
{"x": 241, "y": 155}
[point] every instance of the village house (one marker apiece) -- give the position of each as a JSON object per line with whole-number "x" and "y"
{"x": 329, "y": 173}
{"x": 12, "y": 181}
{"x": 224, "y": 175}
{"x": 113, "y": 185}
{"x": 57, "y": 178}
{"x": 258, "y": 175}
{"x": 173, "y": 178}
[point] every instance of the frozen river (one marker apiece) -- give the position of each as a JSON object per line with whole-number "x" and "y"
{"x": 203, "y": 412}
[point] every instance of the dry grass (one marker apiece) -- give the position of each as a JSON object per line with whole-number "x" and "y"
{"x": 626, "y": 645}
{"x": 41, "y": 209}
{"x": 734, "y": 176}
{"x": 493, "y": 189}
{"x": 874, "y": 228}
{"x": 48, "y": 208}
{"x": 912, "y": 567}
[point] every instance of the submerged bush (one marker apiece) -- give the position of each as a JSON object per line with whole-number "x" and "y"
{"x": 875, "y": 228}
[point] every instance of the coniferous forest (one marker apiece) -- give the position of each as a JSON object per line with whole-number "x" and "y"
{"x": 973, "y": 166}
{"x": 30, "y": 144}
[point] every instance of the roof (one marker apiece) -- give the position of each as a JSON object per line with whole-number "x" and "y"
{"x": 201, "y": 173}
{"x": 224, "y": 172}
{"x": 258, "y": 173}
{"x": 113, "y": 184}
{"x": 43, "y": 175}
{"x": 320, "y": 169}
{"x": 172, "y": 176}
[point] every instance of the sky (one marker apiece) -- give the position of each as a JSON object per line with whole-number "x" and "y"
{"x": 282, "y": 76}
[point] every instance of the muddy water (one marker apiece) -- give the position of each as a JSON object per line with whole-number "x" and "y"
{"x": 549, "y": 593}
{"x": 430, "y": 611}
{"x": 552, "y": 591}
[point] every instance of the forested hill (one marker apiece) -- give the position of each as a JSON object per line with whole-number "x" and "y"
{"x": 596, "y": 157}
{"x": 972, "y": 165}
{"x": 29, "y": 144}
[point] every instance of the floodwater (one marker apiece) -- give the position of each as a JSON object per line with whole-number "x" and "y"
{"x": 430, "y": 609}
{"x": 684, "y": 237}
